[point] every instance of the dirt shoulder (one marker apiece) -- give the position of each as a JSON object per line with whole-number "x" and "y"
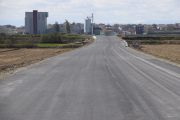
{"x": 165, "y": 48}
{"x": 12, "y": 60}
{"x": 168, "y": 53}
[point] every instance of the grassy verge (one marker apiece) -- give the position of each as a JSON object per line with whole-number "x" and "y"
{"x": 46, "y": 45}
{"x": 54, "y": 45}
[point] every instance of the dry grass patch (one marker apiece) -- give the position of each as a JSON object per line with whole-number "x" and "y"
{"x": 170, "y": 52}
{"x": 10, "y": 60}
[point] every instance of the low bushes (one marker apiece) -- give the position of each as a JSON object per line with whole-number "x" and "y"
{"x": 55, "y": 37}
{"x": 3, "y": 46}
{"x": 48, "y": 45}
{"x": 8, "y": 43}
{"x": 70, "y": 46}
{"x": 150, "y": 42}
{"x": 30, "y": 41}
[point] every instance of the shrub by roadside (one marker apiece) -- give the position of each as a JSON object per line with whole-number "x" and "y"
{"x": 55, "y": 37}
{"x": 33, "y": 41}
{"x": 8, "y": 43}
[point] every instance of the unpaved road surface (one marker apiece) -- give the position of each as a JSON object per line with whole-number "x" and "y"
{"x": 103, "y": 81}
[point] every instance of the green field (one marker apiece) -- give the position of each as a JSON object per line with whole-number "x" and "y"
{"x": 47, "y": 45}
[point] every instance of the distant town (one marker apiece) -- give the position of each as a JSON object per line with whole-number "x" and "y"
{"x": 36, "y": 23}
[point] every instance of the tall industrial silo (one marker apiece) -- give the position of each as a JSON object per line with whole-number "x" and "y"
{"x": 87, "y": 26}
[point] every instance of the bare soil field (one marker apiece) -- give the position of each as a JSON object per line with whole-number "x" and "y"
{"x": 169, "y": 52}
{"x": 6, "y": 49}
{"x": 12, "y": 59}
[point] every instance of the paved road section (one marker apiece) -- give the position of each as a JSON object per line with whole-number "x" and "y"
{"x": 104, "y": 81}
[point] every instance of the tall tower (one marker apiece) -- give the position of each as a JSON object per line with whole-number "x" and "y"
{"x": 36, "y": 22}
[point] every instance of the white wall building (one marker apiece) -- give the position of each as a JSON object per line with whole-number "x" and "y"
{"x": 126, "y": 33}
{"x": 36, "y": 22}
{"x": 87, "y": 26}
{"x": 8, "y": 31}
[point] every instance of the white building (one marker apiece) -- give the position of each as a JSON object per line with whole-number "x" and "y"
{"x": 36, "y": 22}
{"x": 126, "y": 33}
{"x": 8, "y": 31}
{"x": 87, "y": 26}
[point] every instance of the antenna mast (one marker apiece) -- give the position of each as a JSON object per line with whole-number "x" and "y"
{"x": 92, "y": 18}
{"x": 92, "y": 23}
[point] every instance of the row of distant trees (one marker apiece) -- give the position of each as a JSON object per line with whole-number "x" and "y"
{"x": 68, "y": 30}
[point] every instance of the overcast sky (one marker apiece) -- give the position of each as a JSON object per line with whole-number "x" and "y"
{"x": 105, "y": 11}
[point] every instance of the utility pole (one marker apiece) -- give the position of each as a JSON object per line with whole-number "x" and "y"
{"x": 92, "y": 23}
